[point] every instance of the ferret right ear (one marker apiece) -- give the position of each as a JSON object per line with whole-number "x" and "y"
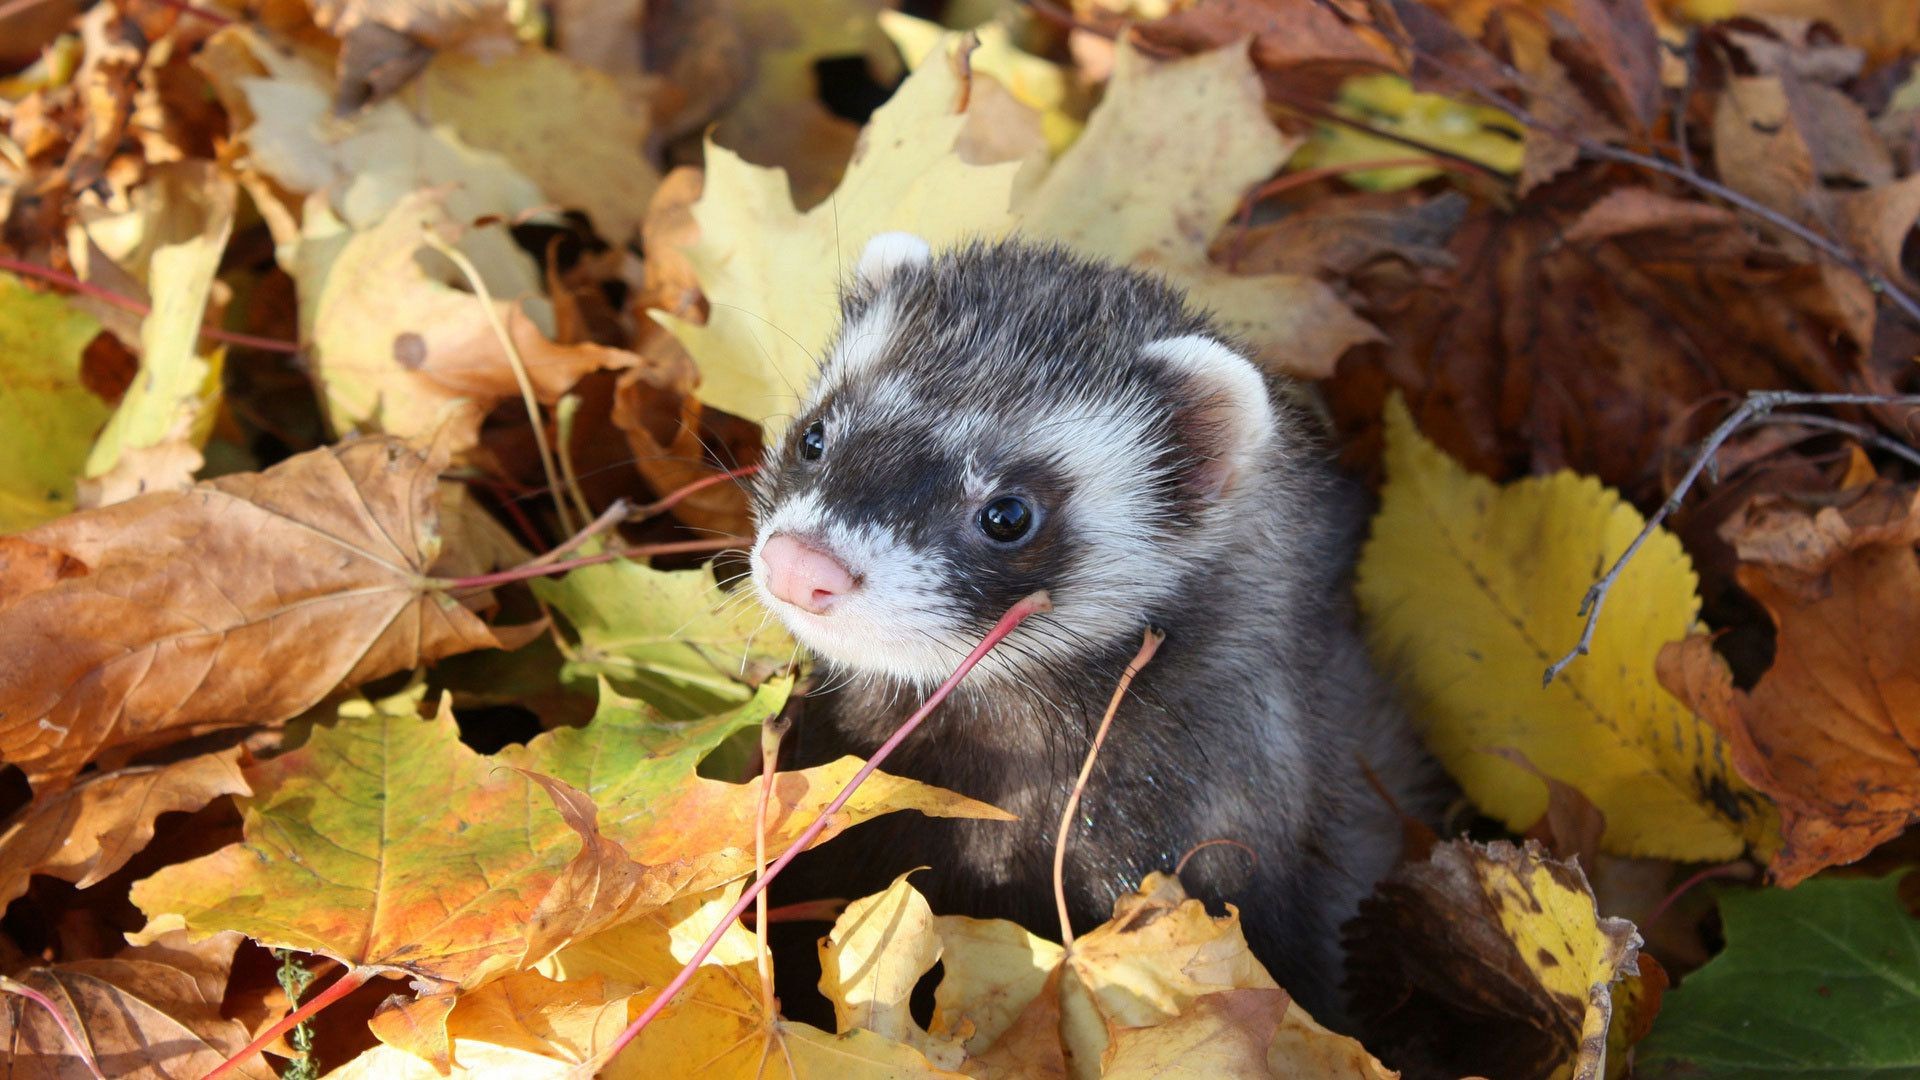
{"x": 1231, "y": 417}
{"x": 887, "y": 254}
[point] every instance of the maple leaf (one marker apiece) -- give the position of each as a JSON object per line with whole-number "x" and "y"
{"x": 670, "y": 636}
{"x": 242, "y": 601}
{"x": 756, "y": 348}
{"x": 149, "y": 1013}
{"x": 1490, "y": 959}
{"x": 90, "y": 830}
{"x": 1469, "y": 583}
{"x": 45, "y": 403}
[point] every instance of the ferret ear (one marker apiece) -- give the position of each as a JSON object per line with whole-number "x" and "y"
{"x": 887, "y": 254}
{"x": 1231, "y": 417}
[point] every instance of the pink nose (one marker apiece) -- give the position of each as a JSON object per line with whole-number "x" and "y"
{"x": 806, "y": 577}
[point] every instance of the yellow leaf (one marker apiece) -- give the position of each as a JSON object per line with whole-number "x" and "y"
{"x": 770, "y": 272}
{"x": 1473, "y": 588}
{"x": 1041, "y": 85}
{"x": 1129, "y": 191}
{"x": 1390, "y": 103}
{"x": 50, "y": 415}
{"x": 182, "y": 218}
{"x": 579, "y": 134}
{"x": 1125, "y": 190}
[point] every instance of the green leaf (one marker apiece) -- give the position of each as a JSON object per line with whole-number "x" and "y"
{"x": 1820, "y": 980}
{"x": 50, "y": 417}
{"x": 669, "y": 637}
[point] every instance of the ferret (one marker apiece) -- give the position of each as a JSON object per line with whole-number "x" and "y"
{"x": 1006, "y": 417}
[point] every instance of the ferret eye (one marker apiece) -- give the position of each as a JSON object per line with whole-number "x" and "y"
{"x": 1006, "y": 519}
{"x": 813, "y": 441}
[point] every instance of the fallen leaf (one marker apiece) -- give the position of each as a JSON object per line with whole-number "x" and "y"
{"x": 183, "y": 223}
{"x": 243, "y": 601}
{"x": 672, "y": 637}
{"x": 44, "y": 403}
{"x": 150, "y": 1013}
{"x": 754, "y": 249}
{"x": 1489, "y": 959}
{"x": 1816, "y": 980}
{"x": 1477, "y": 586}
{"x": 402, "y": 347}
{"x": 1251, "y": 1033}
{"x": 578, "y": 134}
{"x": 1045, "y": 88}
{"x": 1390, "y": 103}
{"x": 90, "y": 830}
{"x": 1126, "y": 191}
{"x": 1829, "y": 732}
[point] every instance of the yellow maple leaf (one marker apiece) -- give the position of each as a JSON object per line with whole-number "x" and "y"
{"x": 1126, "y": 190}
{"x": 49, "y": 412}
{"x": 1473, "y": 588}
{"x": 770, "y": 273}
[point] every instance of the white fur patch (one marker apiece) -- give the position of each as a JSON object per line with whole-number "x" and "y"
{"x": 889, "y": 252}
{"x": 899, "y": 622}
{"x": 862, "y": 344}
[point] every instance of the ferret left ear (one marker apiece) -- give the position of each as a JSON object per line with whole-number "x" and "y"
{"x": 1231, "y": 417}
{"x": 887, "y": 254}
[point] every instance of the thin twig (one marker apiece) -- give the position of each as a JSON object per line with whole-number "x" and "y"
{"x": 11, "y": 986}
{"x": 1758, "y": 404}
{"x": 514, "y": 360}
{"x": 1018, "y": 613}
{"x": 771, "y": 732}
{"x": 344, "y": 985}
{"x": 608, "y": 519}
{"x": 1149, "y": 644}
{"x": 126, "y": 303}
{"x": 1858, "y": 432}
{"x": 563, "y": 417}
{"x": 1737, "y": 869}
{"x": 537, "y": 569}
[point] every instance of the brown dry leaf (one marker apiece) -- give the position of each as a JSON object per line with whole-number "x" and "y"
{"x": 403, "y": 347}
{"x": 149, "y": 1013}
{"x": 1831, "y": 732}
{"x": 93, "y": 828}
{"x": 243, "y": 601}
{"x": 1489, "y": 959}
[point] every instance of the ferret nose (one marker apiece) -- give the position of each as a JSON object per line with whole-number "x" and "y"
{"x": 806, "y": 577}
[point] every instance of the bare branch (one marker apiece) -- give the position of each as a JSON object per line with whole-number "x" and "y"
{"x": 1758, "y": 404}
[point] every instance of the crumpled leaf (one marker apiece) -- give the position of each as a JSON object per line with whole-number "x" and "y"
{"x": 149, "y": 1013}
{"x": 90, "y": 830}
{"x": 1476, "y": 587}
{"x": 183, "y": 219}
{"x": 672, "y": 637}
{"x": 244, "y": 600}
{"x": 44, "y": 403}
{"x": 1013, "y": 1005}
{"x": 1830, "y": 732}
{"x": 1818, "y": 980}
{"x": 1489, "y": 959}
{"x": 402, "y": 347}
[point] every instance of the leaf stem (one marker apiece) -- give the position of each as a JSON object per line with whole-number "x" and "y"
{"x": 126, "y": 303}
{"x": 1018, "y": 613}
{"x": 675, "y": 497}
{"x": 1149, "y": 644}
{"x": 79, "y": 1045}
{"x": 539, "y": 569}
{"x": 344, "y": 985}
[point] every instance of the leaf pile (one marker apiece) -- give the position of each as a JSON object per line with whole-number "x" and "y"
{"x": 377, "y": 378}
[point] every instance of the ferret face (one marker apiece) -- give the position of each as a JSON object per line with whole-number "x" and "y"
{"x": 991, "y": 422}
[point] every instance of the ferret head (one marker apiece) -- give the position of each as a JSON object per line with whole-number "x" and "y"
{"x": 989, "y": 422}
